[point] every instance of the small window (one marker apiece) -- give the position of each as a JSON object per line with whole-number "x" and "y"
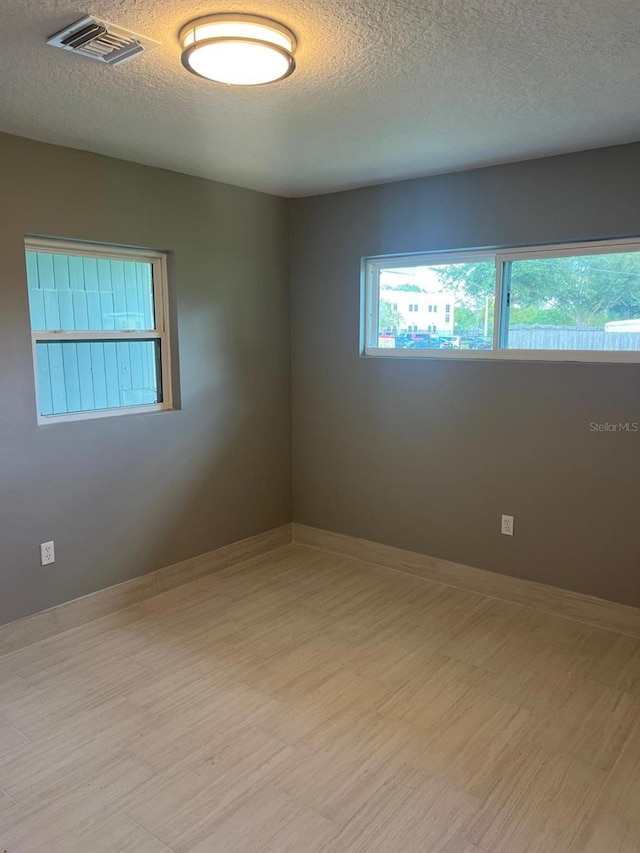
{"x": 577, "y": 302}
{"x": 99, "y": 327}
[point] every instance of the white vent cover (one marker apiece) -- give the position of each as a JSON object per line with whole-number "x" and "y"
{"x": 101, "y": 41}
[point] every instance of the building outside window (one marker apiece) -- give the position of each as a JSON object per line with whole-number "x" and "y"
{"x": 571, "y": 302}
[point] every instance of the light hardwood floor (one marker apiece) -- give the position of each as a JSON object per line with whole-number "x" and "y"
{"x": 306, "y": 703}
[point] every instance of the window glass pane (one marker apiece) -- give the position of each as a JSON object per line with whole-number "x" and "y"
{"x": 72, "y": 293}
{"x": 582, "y": 302}
{"x": 437, "y": 306}
{"x": 86, "y": 375}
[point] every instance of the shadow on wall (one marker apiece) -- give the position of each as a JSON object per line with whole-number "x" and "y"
{"x": 427, "y": 456}
{"x": 123, "y": 496}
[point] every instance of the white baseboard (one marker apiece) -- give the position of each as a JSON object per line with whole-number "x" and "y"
{"x": 69, "y": 614}
{"x": 550, "y": 599}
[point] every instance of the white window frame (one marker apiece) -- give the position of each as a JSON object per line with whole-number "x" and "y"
{"x": 158, "y": 261}
{"x": 370, "y": 297}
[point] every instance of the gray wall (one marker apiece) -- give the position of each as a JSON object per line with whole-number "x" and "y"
{"x": 427, "y": 455}
{"x": 126, "y": 495}
{"x": 416, "y": 454}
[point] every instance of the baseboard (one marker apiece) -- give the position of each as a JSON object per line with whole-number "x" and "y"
{"x": 560, "y": 602}
{"x": 550, "y": 599}
{"x": 46, "y": 623}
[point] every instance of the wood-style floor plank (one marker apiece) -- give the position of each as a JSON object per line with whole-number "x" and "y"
{"x": 608, "y": 832}
{"x": 302, "y": 702}
{"x": 538, "y": 804}
{"x": 10, "y": 738}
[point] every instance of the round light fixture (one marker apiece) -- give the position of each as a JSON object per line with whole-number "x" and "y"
{"x": 241, "y": 50}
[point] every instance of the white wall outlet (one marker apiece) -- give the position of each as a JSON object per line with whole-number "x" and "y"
{"x": 47, "y": 553}
{"x": 507, "y": 525}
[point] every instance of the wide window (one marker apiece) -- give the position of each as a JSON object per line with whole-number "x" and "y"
{"x": 99, "y": 321}
{"x": 578, "y": 302}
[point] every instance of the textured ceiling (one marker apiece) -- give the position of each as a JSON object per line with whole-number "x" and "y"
{"x": 384, "y": 89}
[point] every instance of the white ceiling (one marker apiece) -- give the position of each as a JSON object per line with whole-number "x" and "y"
{"x": 384, "y": 89}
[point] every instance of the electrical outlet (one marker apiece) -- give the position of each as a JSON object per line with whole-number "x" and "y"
{"x": 47, "y": 553}
{"x": 507, "y": 525}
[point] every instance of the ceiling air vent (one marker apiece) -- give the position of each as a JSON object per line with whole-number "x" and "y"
{"x": 101, "y": 41}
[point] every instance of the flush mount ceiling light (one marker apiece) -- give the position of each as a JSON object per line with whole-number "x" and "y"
{"x": 241, "y": 50}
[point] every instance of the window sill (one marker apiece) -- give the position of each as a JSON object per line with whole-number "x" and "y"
{"x": 562, "y": 356}
{"x": 99, "y": 414}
